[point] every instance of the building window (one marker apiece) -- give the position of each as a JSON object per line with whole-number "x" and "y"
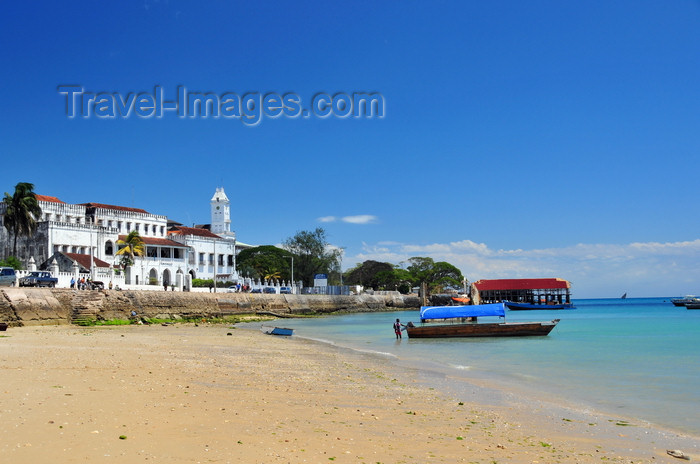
{"x": 177, "y": 253}
{"x": 201, "y": 258}
{"x": 74, "y": 249}
{"x": 109, "y": 248}
{"x": 154, "y": 229}
{"x": 211, "y": 259}
{"x": 48, "y": 216}
{"x": 58, "y": 218}
{"x": 137, "y": 225}
{"x": 221, "y": 260}
{"x": 230, "y": 260}
{"x": 65, "y": 248}
{"x": 145, "y": 229}
{"x": 152, "y": 252}
{"x": 128, "y": 227}
{"x": 162, "y": 230}
{"x": 165, "y": 252}
{"x": 119, "y": 225}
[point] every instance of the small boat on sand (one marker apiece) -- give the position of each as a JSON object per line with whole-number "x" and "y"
{"x": 461, "y": 321}
{"x": 277, "y": 330}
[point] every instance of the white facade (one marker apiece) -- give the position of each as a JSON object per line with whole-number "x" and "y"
{"x": 210, "y": 256}
{"x": 220, "y": 213}
{"x": 172, "y": 257}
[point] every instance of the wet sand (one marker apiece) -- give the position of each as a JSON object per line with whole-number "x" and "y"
{"x": 191, "y": 394}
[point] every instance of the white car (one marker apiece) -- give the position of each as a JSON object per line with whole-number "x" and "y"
{"x": 7, "y": 277}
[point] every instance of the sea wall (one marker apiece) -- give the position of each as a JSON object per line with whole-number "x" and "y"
{"x": 46, "y": 306}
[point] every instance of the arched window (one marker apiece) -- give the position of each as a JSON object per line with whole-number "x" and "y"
{"x": 109, "y": 248}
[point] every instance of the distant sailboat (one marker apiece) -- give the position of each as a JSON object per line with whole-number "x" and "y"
{"x": 624, "y": 296}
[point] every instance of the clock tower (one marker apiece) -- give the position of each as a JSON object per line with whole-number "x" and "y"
{"x": 220, "y": 213}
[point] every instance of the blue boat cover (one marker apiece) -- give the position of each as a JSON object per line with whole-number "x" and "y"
{"x": 446, "y": 312}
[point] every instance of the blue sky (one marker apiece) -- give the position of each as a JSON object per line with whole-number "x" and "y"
{"x": 519, "y": 139}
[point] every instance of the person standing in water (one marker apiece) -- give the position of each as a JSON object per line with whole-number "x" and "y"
{"x": 397, "y": 328}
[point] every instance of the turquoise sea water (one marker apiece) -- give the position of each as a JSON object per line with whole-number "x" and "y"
{"x": 637, "y": 358}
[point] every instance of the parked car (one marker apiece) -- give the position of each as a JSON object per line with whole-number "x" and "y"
{"x": 7, "y": 276}
{"x": 256, "y": 290}
{"x": 38, "y": 279}
{"x": 269, "y": 290}
{"x": 285, "y": 290}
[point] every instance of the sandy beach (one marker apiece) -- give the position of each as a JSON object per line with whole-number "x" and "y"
{"x": 215, "y": 394}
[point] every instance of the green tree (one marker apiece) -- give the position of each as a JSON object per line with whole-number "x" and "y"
{"x": 21, "y": 213}
{"x": 313, "y": 254}
{"x": 436, "y": 276}
{"x": 366, "y": 274}
{"x": 12, "y": 262}
{"x": 131, "y": 247}
{"x": 445, "y": 275}
{"x": 265, "y": 262}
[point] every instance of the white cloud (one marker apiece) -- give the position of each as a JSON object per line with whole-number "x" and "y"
{"x": 360, "y": 219}
{"x": 595, "y": 270}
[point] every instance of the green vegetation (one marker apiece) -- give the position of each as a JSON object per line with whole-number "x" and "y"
{"x": 12, "y": 262}
{"x": 131, "y": 247}
{"x": 204, "y": 283}
{"x": 230, "y": 319}
{"x": 384, "y": 276}
{"x": 22, "y": 212}
{"x": 312, "y": 255}
{"x": 265, "y": 262}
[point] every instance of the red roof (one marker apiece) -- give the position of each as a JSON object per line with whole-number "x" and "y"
{"x": 84, "y": 260}
{"x": 157, "y": 241}
{"x": 113, "y": 207}
{"x": 48, "y": 198}
{"x": 521, "y": 284}
{"x": 194, "y": 231}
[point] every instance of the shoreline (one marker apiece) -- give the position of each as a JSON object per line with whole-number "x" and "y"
{"x": 186, "y": 393}
{"x": 488, "y": 392}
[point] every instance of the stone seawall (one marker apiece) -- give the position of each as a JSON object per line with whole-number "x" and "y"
{"x": 44, "y": 306}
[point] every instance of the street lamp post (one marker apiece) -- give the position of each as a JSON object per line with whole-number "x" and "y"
{"x": 293, "y": 286}
{"x": 340, "y": 269}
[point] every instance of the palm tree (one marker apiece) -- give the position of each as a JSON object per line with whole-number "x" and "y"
{"x": 273, "y": 275}
{"x": 132, "y": 246}
{"x": 21, "y": 213}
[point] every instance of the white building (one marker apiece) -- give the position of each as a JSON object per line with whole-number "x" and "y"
{"x": 172, "y": 257}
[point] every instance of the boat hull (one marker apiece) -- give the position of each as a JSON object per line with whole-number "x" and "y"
{"x": 496, "y": 329}
{"x": 692, "y": 305}
{"x": 278, "y": 331}
{"x": 685, "y": 301}
{"x": 528, "y": 306}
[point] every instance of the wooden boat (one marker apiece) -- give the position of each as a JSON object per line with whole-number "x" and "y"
{"x": 277, "y": 330}
{"x": 461, "y": 321}
{"x": 525, "y": 306}
{"x": 3, "y": 327}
